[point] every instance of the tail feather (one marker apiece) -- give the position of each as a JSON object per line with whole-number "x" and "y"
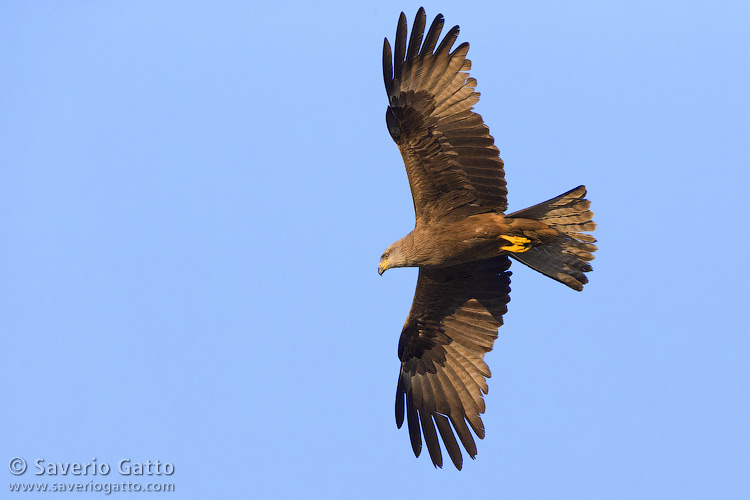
{"x": 565, "y": 258}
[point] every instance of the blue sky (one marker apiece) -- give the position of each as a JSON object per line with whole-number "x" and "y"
{"x": 194, "y": 197}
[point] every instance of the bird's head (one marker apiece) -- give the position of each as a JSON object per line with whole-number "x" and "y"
{"x": 389, "y": 259}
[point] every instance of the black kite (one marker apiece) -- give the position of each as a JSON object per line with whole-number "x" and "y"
{"x": 462, "y": 240}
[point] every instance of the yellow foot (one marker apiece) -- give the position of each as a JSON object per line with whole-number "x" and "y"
{"x": 519, "y": 244}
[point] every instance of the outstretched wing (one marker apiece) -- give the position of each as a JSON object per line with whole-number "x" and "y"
{"x": 453, "y": 165}
{"x": 453, "y": 322}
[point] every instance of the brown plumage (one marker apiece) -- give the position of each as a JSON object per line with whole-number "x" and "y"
{"x": 461, "y": 241}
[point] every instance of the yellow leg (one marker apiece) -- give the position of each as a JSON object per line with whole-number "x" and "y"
{"x": 519, "y": 244}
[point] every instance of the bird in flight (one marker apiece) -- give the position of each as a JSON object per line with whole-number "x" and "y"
{"x": 462, "y": 241}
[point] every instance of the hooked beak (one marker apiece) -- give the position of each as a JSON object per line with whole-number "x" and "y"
{"x": 382, "y": 267}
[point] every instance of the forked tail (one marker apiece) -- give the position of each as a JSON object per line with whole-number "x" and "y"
{"x": 565, "y": 258}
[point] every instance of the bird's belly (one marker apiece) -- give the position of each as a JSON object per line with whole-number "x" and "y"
{"x": 450, "y": 244}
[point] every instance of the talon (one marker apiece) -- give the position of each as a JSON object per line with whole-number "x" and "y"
{"x": 519, "y": 244}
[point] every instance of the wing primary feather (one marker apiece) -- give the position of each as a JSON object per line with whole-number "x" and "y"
{"x": 431, "y": 439}
{"x": 429, "y": 406}
{"x": 413, "y": 421}
{"x": 426, "y": 58}
{"x": 416, "y": 35}
{"x": 448, "y": 40}
{"x": 433, "y": 34}
{"x": 449, "y": 440}
{"x": 448, "y": 384}
{"x": 465, "y": 436}
{"x": 399, "y": 48}
{"x": 400, "y": 396}
{"x": 388, "y": 68}
{"x": 475, "y": 421}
